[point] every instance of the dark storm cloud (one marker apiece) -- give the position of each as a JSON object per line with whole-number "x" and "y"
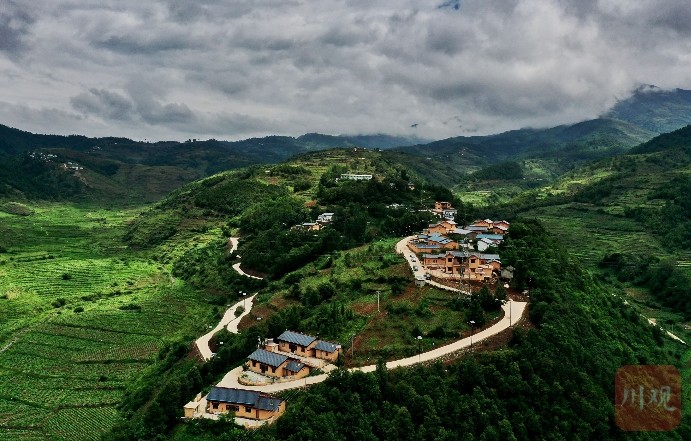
{"x": 103, "y": 103}
{"x": 15, "y": 24}
{"x": 172, "y": 68}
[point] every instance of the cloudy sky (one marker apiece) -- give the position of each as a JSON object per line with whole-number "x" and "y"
{"x": 232, "y": 69}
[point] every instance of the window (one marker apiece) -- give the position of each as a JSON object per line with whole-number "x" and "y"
{"x": 248, "y": 409}
{"x": 214, "y": 405}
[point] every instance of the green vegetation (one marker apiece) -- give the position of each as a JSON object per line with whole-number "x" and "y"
{"x": 552, "y": 380}
{"x": 81, "y": 318}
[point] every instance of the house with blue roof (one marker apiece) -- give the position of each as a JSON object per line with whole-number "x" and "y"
{"x": 308, "y": 346}
{"x": 244, "y": 403}
{"x": 277, "y": 365}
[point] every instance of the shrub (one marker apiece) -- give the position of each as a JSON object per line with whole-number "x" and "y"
{"x": 58, "y": 303}
{"x": 130, "y": 307}
{"x": 66, "y": 276}
{"x": 78, "y": 309}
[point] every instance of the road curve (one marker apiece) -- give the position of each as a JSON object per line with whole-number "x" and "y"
{"x": 515, "y": 315}
{"x": 229, "y": 321}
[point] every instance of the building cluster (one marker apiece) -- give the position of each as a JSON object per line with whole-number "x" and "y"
{"x": 355, "y": 177}
{"x": 292, "y": 356}
{"x": 444, "y": 210}
{"x": 322, "y": 220}
{"x": 456, "y": 251}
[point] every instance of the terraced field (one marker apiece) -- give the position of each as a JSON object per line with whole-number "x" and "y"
{"x": 80, "y": 317}
{"x": 590, "y": 233}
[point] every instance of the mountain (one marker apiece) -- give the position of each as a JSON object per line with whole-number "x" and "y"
{"x": 58, "y": 167}
{"x": 654, "y": 109}
{"x": 536, "y": 156}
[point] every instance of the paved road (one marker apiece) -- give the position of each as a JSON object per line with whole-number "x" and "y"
{"x": 229, "y": 321}
{"x": 233, "y": 242}
{"x": 517, "y": 310}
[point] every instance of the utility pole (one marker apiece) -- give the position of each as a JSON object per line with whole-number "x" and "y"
{"x": 378, "y": 301}
{"x": 472, "y": 331}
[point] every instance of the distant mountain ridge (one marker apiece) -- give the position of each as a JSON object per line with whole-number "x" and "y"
{"x": 654, "y": 109}
{"x": 139, "y": 170}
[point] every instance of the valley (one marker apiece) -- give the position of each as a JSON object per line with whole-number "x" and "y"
{"x": 106, "y": 286}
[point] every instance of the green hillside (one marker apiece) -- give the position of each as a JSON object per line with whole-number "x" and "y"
{"x": 630, "y": 213}
{"x": 264, "y": 203}
{"x": 124, "y": 171}
{"x": 655, "y": 109}
{"x": 539, "y": 156}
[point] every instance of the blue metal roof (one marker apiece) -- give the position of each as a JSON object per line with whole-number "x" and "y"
{"x": 267, "y": 402}
{"x": 474, "y": 228}
{"x": 297, "y": 338}
{"x": 326, "y": 346}
{"x": 490, "y": 236}
{"x": 235, "y": 396}
{"x": 294, "y": 366}
{"x": 244, "y": 397}
{"x": 266, "y": 357}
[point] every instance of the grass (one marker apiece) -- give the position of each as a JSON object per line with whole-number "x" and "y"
{"x": 62, "y": 372}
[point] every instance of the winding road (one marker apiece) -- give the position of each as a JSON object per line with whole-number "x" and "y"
{"x": 229, "y": 321}
{"x": 233, "y": 242}
{"x": 510, "y": 318}
{"x": 513, "y": 313}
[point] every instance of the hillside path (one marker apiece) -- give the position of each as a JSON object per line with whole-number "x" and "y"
{"x": 233, "y": 242}
{"x": 229, "y": 321}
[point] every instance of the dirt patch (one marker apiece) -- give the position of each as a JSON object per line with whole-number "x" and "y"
{"x": 265, "y": 310}
{"x": 364, "y": 308}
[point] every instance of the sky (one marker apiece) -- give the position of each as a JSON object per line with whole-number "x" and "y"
{"x": 234, "y": 69}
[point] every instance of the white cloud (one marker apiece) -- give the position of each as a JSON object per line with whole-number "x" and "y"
{"x": 171, "y": 69}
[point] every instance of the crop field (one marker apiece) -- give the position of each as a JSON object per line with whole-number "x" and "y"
{"x": 81, "y": 316}
{"x": 590, "y": 233}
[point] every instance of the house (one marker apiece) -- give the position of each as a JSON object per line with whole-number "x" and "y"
{"x": 308, "y": 346}
{"x": 485, "y": 241}
{"x": 244, "y": 403}
{"x": 445, "y": 226}
{"x": 474, "y": 230}
{"x": 483, "y": 223}
{"x": 449, "y": 213}
{"x": 423, "y": 247}
{"x": 473, "y": 266}
{"x": 442, "y": 241}
{"x": 327, "y": 351}
{"x": 356, "y": 177}
{"x": 296, "y": 343}
{"x": 325, "y": 218}
{"x": 311, "y": 226}
{"x": 440, "y": 206}
{"x": 502, "y": 223}
{"x": 483, "y": 244}
{"x": 276, "y": 365}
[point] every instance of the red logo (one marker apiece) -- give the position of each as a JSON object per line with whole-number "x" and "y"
{"x": 647, "y": 398}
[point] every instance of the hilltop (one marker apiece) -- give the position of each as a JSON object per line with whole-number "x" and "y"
{"x": 96, "y": 169}
{"x": 654, "y": 109}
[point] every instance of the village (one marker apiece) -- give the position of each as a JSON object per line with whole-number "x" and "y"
{"x": 444, "y": 254}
